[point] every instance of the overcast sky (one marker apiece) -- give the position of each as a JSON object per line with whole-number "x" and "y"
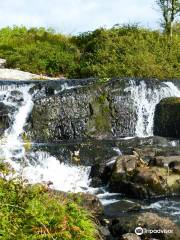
{"x": 74, "y": 16}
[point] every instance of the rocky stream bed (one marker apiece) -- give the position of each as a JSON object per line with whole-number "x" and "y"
{"x": 98, "y": 138}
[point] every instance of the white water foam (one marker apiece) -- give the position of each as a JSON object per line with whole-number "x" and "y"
{"x": 44, "y": 168}
{"x": 145, "y": 100}
{"x": 63, "y": 177}
{"x": 169, "y": 207}
{"x": 11, "y": 143}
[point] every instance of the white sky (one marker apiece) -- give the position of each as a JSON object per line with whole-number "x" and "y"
{"x": 74, "y": 16}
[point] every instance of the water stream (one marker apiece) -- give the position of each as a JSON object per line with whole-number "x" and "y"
{"x": 47, "y": 168}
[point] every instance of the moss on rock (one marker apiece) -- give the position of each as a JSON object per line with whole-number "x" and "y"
{"x": 100, "y": 120}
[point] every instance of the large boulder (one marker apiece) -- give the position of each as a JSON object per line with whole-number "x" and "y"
{"x": 167, "y": 118}
{"x": 133, "y": 177}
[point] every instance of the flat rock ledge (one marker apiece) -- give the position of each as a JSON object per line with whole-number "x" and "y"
{"x": 14, "y": 74}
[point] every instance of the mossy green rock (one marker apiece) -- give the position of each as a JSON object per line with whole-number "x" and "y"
{"x": 167, "y": 118}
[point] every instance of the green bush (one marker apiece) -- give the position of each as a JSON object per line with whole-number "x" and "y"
{"x": 122, "y": 51}
{"x": 128, "y": 51}
{"x": 38, "y": 51}
{"x": 34, "y": 212}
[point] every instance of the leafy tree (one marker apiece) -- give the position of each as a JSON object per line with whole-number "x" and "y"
{"x": 170, "y": 9}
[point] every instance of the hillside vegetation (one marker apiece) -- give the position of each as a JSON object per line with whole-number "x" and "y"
{"x": 126, "y": 51}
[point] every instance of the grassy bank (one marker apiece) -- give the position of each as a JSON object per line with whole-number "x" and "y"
{"x": 129, "y": 51}
{"x": 33, "y": 212}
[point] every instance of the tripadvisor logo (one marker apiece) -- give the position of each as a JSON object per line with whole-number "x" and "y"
{"x": 140, "y": 231}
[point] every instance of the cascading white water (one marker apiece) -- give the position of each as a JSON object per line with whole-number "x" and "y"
{"x": 14, "y": 146}
{"x": 64, "y": 177}
{"x": 145, "y": 100}
{"x": 45, "y": 168}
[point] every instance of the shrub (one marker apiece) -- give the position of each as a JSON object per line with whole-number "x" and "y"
{"x": 122, "y": 51}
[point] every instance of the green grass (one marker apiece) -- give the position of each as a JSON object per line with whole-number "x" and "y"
{"x": 34, "y": 212}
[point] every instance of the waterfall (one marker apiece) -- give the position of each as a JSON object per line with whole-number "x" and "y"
{"x": 145, "y": 98}
{"x": 44, "y": 168}
{"x": 47, "y": 168}
{"x": 12, "y": 144}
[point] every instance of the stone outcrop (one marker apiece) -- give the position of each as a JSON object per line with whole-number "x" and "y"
{"x": 133, "y": 177}
{"x": 167, "y": 118}
{"x": 93, "y": 111}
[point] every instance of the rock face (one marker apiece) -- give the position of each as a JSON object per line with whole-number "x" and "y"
{"x": 167, "y": 118}
{"x": 4, "y": 117}
{"x": 97, "y": 110}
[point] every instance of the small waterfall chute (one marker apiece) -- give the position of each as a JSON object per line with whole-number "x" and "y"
{"x": 145, "y": 98}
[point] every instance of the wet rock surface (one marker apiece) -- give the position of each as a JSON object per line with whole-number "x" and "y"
{"x": 5, "y": 119}
{"x": 167, "y": 118}
{"x": 149, "y": 221}
{"x": 98, "y": 111}
{"x": 120, "y": 208}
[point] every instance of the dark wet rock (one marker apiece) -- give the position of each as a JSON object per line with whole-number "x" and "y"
{"x": 5, "y": 117}
{"x": 175, "y": 167}
{"x": 94, "y": 111}
{"x": 130, "y": 236}
{"x": 149, "y": 221}
{"x": 167, "y": 118}
{"x": 117, "y": 209}
{"x": 162, "y": 161}
{"x": 90, "y": 202}
{"x": 101, "y": 173}
{"x": 104, "y": 232}
{"x": 134, "y": 178}
{"x": 15, "y": 97}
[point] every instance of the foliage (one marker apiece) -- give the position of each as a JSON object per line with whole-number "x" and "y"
{"x": 170, "y": 9}
{"x": 38, "y": 51}
{"x": 34, "y": 212}
{"x": 128, "y": 51}
{"x": 122, "y": 51}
